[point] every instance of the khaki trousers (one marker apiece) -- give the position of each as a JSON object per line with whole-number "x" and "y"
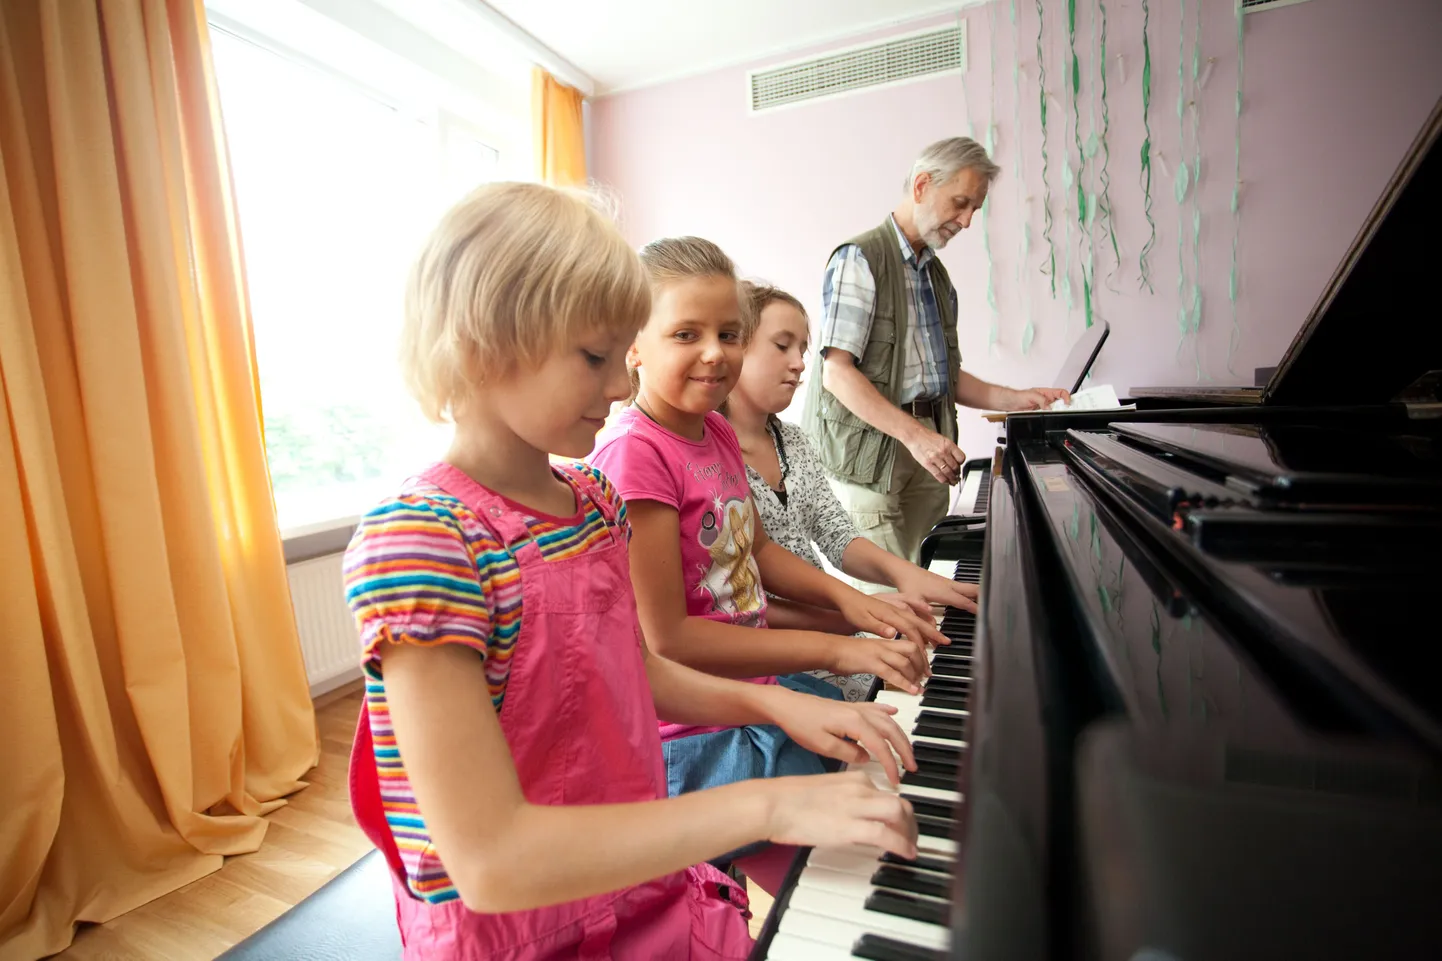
{"x": 898, "y": 520}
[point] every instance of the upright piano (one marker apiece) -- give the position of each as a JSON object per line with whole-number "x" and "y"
{"x": 1198, "y": 716}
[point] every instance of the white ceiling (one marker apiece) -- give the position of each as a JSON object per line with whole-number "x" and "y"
{"x": 630, "y": 43}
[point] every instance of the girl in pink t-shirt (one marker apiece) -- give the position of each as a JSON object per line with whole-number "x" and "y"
{"x": 698, "y": 552}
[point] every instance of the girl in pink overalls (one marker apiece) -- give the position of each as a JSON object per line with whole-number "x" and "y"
{"x": 508, "y": 761}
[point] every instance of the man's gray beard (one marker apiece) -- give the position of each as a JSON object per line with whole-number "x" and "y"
{"x": 928, "y": 227}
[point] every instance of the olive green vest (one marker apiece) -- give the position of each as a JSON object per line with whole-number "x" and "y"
{"x": 849, "y": 448}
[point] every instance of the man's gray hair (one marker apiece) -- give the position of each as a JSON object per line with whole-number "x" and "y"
{"x": 944, "y": 158}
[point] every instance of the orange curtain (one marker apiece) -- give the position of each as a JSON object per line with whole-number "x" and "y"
{"x": 559, "y": 131}
{"x": 155, "y": 701}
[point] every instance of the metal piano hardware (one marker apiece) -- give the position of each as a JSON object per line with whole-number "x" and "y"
{"x": 1199, "y": 716}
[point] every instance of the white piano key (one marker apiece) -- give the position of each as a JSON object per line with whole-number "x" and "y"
{"x": 838, "y": 920}
{"x": 965, "y": 502}
{"x": 789, "y": 947}
{"x": 853, "y": 886}
{"x": 878, "y": 777}
{"x": 847, "y": 858}
{"x": 939, "y": 741}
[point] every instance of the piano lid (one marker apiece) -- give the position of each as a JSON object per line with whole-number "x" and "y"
{"x": 1375, "y": 330}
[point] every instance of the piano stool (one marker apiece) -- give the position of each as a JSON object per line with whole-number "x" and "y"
{"x": 351, "y": 918}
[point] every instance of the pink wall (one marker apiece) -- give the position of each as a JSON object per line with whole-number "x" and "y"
{"x": 1334, "y": 92}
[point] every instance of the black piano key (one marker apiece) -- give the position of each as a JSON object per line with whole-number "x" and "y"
{"x": 944, "y": 656}
{"x": 912, "y": 882}
{"x": 950, "y": 670}
{"x": 906, "y": 906}
{"x": 932, "y": 769}
{"x": 924, "y": 861}
{"x": 929, "y": 806}
{"x": 945, "y": 720}
{"x": 934, "y": 827}
{"x": 942, "y": 732}
{"x": 945, "y": 753}
{"x": 918, "y": 779}
{"x": 940, "y": 700}
{"x": 877, "y": 948}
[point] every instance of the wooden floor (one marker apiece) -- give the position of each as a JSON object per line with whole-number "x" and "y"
{"x": 310, "y": 840}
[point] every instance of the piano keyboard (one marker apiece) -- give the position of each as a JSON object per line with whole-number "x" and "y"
{"x": 974, "y": 494}
{"x": 855, "y": 902}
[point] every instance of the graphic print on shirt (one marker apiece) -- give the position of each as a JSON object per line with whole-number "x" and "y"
{"x": 728, "y": 533}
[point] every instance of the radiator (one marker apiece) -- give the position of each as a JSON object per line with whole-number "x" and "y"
{"x": 328, "y": 636}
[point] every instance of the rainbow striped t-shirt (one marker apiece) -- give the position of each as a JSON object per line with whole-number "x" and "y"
{"x": 423, "y": 569}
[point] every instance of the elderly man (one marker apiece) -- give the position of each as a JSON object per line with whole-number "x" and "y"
{"x": 882, "y": 412}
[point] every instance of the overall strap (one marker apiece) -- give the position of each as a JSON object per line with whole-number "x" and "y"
{"x": 587, "y": 484}
{"x": 489, "y": 508}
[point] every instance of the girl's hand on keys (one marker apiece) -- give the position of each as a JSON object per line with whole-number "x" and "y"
{"x": 875, "y": 616}
{"x": 907, "y": 601}
{"x": 846, "y": 731}
{"x": 833, "y": 809}
{"x": 935, "y": 589}
{"x": 900, "y": 662}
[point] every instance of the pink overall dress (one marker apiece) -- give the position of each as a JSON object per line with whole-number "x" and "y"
{"x": 581, "y": 727}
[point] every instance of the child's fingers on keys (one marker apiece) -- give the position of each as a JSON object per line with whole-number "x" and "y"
{"x": 893, "y": 675}
{"x": 898, "y": 839}
{"x": 897, "y": 738}
{"x": 883, "y": 738}
{"x": 913, "y": 654}
{"x": 905, "y": 667}
{"x": 852, "y": 752}
{"x": 876, "y": 746}
{"x": 930, "y": 633}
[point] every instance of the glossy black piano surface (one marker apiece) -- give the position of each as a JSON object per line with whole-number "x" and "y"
{"x": 1203, "y": 715}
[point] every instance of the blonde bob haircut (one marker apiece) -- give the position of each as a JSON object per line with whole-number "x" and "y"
{"x": 512, "y": 274}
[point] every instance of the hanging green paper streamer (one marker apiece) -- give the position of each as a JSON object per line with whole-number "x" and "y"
{"x": 1050, "y": 268}
{"x": 1067, "y": 179}
{"x": 994, "y": 334}
{"x": 1142, "y": 265}
{"x": 1196, "y": 192}
{"x": 1028, "y": 333}
{"x": 1236, "y": 336}
{"x": 1182, "y": 180}
{"x": 1081, "y": 200}
{"x": 1104, "y": 207}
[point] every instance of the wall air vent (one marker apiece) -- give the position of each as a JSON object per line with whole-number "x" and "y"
{"x": 899, "y": 59}
{"x": 1257, "y": 6}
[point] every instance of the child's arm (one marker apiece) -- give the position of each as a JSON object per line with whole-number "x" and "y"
{"x": 785, "y": 614}
{"x": 834, "y": 728}
{"x": 728, "y": 650}
{"x": 788, "y": 575}
{"x": 868, "y": 562}
{"x": 831, "y": 528}
{"x": 483, "y": 828}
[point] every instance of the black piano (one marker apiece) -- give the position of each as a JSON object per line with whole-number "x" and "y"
{"x": 1199, "y": 717}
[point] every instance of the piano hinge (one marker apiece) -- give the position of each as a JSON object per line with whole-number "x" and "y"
{"x": 1422, "y": 397}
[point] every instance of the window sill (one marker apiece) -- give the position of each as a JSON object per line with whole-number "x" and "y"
{"x": 321, "y": 539}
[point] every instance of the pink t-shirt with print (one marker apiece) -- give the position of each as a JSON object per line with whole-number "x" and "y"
{"x": 705, "y": 483}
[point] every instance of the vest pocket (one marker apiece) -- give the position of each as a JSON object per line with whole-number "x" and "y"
{"x": 850, "y": 448}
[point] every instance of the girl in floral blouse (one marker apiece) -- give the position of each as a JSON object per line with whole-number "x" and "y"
{"x": 798, "y": 508}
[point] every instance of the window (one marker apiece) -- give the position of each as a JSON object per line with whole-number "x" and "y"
{"x": 336, "y": 189}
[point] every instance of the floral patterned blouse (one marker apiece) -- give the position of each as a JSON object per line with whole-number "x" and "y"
{"x": 805, "y": 515}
